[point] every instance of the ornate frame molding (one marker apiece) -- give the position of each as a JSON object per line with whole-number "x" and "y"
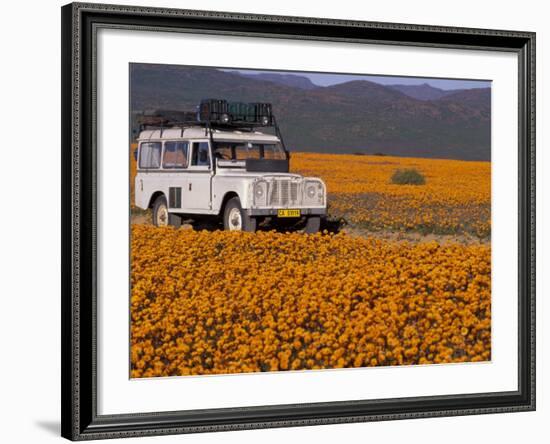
{"x": 79, "y": 393}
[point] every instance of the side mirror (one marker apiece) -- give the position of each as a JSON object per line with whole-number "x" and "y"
{"x": 135, "y": 154}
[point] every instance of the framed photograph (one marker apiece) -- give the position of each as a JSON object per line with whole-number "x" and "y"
{"x": 282, "y": 221}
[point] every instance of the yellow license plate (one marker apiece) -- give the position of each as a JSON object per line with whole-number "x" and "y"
{"x": 289, "y": 213}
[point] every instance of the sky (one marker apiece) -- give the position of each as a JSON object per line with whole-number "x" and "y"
{"x": 322, "y": 79}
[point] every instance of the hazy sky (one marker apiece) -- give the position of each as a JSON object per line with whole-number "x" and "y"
{"x": 332, "y": 79}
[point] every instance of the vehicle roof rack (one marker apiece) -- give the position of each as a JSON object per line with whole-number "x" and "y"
{"x": 215, "y": 114}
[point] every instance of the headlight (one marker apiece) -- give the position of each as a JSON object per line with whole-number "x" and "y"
{"x": 260, "y": 193}
{"x": 314, "y": 193}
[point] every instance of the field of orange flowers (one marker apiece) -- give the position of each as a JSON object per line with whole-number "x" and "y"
{"x": 456, "y": 197}
{"x": 228, "y": 302}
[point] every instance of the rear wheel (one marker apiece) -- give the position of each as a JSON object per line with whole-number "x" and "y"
{"x": 160, "y": 212}
{"x": 313, "y": 224}
{"x": 235, "y": 218}
{"x": 161, "y": 216}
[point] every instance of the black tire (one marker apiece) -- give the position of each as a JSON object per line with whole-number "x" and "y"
{"x": 313, "y": 224}
{"x": 160, "y": 207}
{"x": 235, "y": 218}
{"x": 161, "y": 217}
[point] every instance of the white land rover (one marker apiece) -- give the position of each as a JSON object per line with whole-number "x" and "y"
{"x": 215, "y": 162}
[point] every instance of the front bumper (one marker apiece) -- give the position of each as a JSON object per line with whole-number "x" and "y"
{"x": 321, "y": 211}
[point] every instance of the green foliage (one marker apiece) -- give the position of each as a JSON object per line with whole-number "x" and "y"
{"x": 408, "y": 177}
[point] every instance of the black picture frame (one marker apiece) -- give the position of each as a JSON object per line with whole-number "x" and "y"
{"x": 79, "y": 170}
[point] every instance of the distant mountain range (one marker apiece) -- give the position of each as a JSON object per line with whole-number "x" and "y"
{"x": 424, "y": 91}
{"x": 352, "y": 117}
{"x": 293, "y": 80}
{"x": 420, "y": 92}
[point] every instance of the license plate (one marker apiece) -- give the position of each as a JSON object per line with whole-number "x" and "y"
{"x": 289, "y": 213}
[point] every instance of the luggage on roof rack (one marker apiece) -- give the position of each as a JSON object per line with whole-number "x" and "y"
{"x": 212, "y": 110}
{"x": 222, "y": 112}
{"x": 214, "y": 113}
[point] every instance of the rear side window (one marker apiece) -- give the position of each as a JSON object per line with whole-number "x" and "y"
{"x": 175, "y": 155}
{"x": 149, "y": 155}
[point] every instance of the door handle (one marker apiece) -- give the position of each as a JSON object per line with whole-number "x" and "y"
{"x": 190, "y": 186}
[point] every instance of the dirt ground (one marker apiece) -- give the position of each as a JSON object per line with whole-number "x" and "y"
{"x": 144, "y": 217}
{"x": 415, "y": 237}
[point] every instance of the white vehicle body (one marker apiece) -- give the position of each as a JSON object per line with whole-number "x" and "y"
{"x": 206, "y": 182}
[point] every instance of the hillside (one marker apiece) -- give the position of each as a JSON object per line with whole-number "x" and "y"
{"x": 422, "y": 92}
{"x": 357, "y": 116}
{"x": 293, "y": 80}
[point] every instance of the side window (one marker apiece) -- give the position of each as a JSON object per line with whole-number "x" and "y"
{"x": 175, "y": 155}
{"x": 149, "y": 155}
{"x": 201, "y": 156}
{"x": 247, "y": 151}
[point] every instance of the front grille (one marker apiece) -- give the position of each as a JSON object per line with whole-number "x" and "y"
{"x": 294, "y": 192}
{"x": 284, "y": 193}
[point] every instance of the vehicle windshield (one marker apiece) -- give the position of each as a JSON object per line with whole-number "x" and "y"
{"x": 248, "y": 150}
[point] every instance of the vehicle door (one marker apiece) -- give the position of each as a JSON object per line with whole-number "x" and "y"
{"x": 175, "y": 161}
{"x": 197, "y": 194}
{"x": 148, "y": 177}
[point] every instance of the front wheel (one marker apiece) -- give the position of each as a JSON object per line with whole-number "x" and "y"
{"x": 235, "y": 218}
{"x": 313, "y": 224}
